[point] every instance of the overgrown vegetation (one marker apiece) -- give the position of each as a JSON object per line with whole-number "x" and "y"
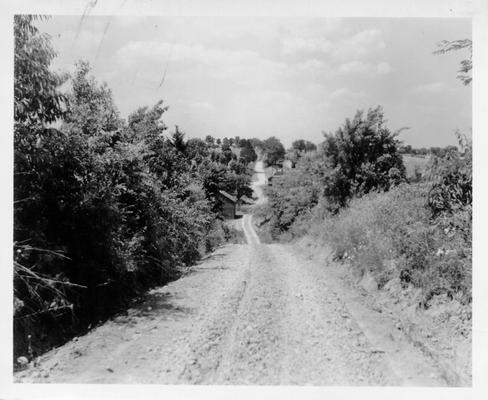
{"x": 104, "y": 208}
{"x": 353, "y": 196}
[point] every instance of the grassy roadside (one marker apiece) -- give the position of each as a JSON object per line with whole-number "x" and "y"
{"x": 413, "y": 266}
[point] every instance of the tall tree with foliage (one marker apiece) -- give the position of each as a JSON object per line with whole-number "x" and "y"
{"x": 247, "y": 151}
{"x": 274, "y": 150}
{"x": 91, "y": 107}
{"x": 44, "y": 180}
{"x": 363, "y": 155}
{"x": 37, "y": 100}
{"x": 303, "y": 146}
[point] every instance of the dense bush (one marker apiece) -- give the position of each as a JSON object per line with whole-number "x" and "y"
{"x": 451, "y": 179}
{"x": 392, "y": 235}
{"x": 293, "y": 194}
{"x": 103, "y": 208}
{"x": 361, "y": 156}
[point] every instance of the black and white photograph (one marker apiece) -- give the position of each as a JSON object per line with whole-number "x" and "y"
{"x": 219, "y": 199}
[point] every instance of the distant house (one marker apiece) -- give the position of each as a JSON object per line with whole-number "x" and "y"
{"x": 229, "y": 204}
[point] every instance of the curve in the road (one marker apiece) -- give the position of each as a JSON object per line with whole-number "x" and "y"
{"x": 257, "y": 186}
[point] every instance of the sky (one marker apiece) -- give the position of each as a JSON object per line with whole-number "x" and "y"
{"x": 288, "y": 77}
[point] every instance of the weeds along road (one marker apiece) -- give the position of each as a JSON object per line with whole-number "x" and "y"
{"x": 248, "y": 314}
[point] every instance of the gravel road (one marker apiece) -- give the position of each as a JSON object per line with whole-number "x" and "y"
{"x": 248, "y": 314}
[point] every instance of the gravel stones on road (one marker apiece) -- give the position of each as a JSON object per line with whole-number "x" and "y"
{"x": 250, "y": 314}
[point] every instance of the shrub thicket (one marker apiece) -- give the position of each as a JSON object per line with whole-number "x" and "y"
{"x": 393, "y": 236}
{"x": 103, "y": 208}
{"x": 361, "y": 156}
{"x": 292, "y": 195}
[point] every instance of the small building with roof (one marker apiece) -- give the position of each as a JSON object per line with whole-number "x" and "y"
{"x": 246, "y": 200}
{"x": 229, "y": 204}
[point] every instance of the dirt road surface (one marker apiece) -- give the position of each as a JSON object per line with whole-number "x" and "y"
{"x": 247, "y": 314}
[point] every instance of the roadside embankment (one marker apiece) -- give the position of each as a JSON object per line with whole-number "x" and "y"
{"x": 441, "y": 332}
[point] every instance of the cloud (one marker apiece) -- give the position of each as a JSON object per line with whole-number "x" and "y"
{"x": 307, "y": 70}
{"x": 346, "y": 93}
{"x": 354, "y": 67}
{"x": 351, "y": 67}
{"x": 347, "y": 46}
{"x": 294, "y": 45}
{"x": 201, "y": 106}
{"x": 431, "y": 88}
{"x": 383, "y": 68}
{"x": 283, "y": 76}
{"x": 359, "y": 45}
{"x": 243, "y": 67}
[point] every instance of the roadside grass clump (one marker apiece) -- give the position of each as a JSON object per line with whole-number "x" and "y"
{"x": 215, "y": 237}
{"x": 233, "y": 235}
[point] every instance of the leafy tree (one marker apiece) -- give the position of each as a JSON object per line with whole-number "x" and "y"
{"x": 226, "y": 156}
{"x": 178, "y": 140}
{"x": 407, "y": 149}
{"x": 447, "y": 46}
{"x": 298, "y": 149}
{"x": 64, "y": 209}
{"x": 196, "y": 149}
{"x": 37, "y": 100}
{"x": 274, "y": 150}
{"x": 362, "y": 156}
{"x": 38, "y": 153}
{"x": 146, "y": 124}
{"x": 303, "y": 146}
{"x": 92, "y": 110}
{"x": 103, "y": 208}
{"x": 257, "y": 143}
{"x": 210, "y": 140}
{"x": 451, "y": 179}
{"x": 437, "y": 151}
{"x": 247, "y": 151}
